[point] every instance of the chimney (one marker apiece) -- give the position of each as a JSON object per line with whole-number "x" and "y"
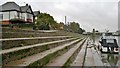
{"x": 26, "y": 4}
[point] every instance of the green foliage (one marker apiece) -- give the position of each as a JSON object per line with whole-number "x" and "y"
{"x": 21, "y": 45}
{"x": 75, "y": 27}
{"x": 45, "y": 21}
{"x": 44, "y": 27}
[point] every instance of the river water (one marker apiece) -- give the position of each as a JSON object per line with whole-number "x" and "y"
{"x": 111, "y": 59}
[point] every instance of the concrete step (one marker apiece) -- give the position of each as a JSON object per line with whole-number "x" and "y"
{"x": 25, "y": 30}
{"x": 89, "y": 58}
{"x": 64, "y": 59}
{"x": 19, "y": 42}
{"x": 27, "y": 38}
{"x": 31, "y": 46}
{"x": 41, "y": 58}
{"x": 21, "y": 52}
{"x": 26, "y": 34}
{"x": 21, "y": 33}
{"x": 79, "y": 60}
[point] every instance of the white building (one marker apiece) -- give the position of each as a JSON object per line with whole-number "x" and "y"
{"x": 12, "y": 13}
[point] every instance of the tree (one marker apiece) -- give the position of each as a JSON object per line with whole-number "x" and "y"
{"x": 75, "y": 27}
{"x": 46, "y": 21}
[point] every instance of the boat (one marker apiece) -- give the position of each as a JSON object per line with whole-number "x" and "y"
{"x": 108, "y": 44}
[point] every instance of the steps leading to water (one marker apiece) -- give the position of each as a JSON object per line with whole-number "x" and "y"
{"x": 19, "y": 42}
{"x": 21, "y": 52}
{"x": 28, "y": 48}
{"x": 64, "y": 59}
{"x": 31, "y": 60}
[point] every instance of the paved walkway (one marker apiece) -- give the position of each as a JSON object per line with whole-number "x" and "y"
{"x": 89, "y": 60}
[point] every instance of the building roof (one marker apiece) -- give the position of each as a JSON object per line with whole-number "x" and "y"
{"x": 10, "y": 6}
{"x": 24, "y": 8}
{"x": 27, "y": 8}
{"x": 36, "y": 13}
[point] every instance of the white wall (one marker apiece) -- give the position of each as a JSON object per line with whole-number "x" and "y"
{"x": 23, "y": 16}
{"x": 1, "y": 16}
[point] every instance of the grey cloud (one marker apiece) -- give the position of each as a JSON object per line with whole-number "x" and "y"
{"x": 98, "y": 14}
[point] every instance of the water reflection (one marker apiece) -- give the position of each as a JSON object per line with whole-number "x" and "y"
{"x": 112, "y": 59}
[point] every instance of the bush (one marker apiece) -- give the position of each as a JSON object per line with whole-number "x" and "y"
{"x": 44, "y": 27}
{"x": 35, "y": 27}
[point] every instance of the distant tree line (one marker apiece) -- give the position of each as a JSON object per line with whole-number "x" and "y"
{"x": 46, "y": 22}
{"x": 75, "y": 27}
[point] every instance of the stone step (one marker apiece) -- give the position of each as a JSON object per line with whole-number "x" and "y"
{"x": 31, "y": 46}
{"x": 63, "y": 59}
{"x": 27, "y": 38}
{"x": 89, "y": 58}
{"x": 25, "y": 34}
{"x": 19, "y": 42}
{"x": 20, "y": 33}
{"x": 79, "y": 60}
{"x": 25, "y": 30}
{"x": 21, "y": 52}
{"x": 42, "y": 58}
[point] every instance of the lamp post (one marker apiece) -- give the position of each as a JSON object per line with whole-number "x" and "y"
{"x": 65, "y": 19}
{"x": 93, "y": 36}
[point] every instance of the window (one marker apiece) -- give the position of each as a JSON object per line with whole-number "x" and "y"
{"x": 110, "y": 41}
{"x": 13, "y": 14}
{"x": 5, "y": 15}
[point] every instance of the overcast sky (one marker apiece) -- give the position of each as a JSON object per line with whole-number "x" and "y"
{"x": 98, "y": 14}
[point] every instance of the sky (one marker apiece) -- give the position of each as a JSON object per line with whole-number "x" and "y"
{"x": 98, "y": 14}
